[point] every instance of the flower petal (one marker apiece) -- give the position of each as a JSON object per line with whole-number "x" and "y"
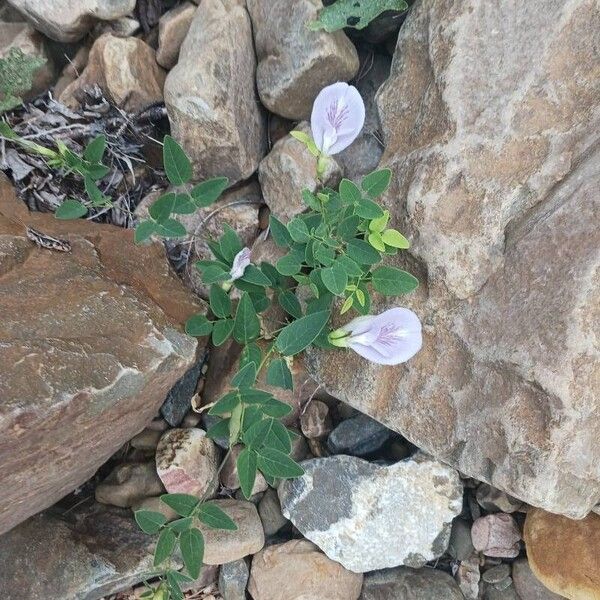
{"x": 240, "y": 262}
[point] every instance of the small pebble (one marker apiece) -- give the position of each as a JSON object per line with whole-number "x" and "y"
{"x": 496, "y": 574}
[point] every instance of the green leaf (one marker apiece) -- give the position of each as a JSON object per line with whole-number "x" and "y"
{"x": 290, "y": 303}
{"x": 296, "y": 336}
{"x": 245, "y": 377}
{"x": 246, "y": 468}
{"x": 362, "y": 252}
{"x": 162, "y": 208}
{"x": 221, "y": 331}
{"x": 281, "y": 235}
{"x": 144, "y": 230}
{"x": 324, "y": 254}
{"x": 218, "y": 430}
{"x": 254, "y": 275}
{"x": 277, "y": 464}
{"x": 191, "y": 543}
{"x": 298, "y": 230}
{"x": 219, "y": 301}
{"x": 164, "y": 546}
{"x": 279, "y": 438}
{"x": 250, "y": 353}
{"x": 276, "y": 408}
{"x": 212, "y": 273}
{"x": 211, "y": 515}
{"x": 198, "y": 326}
{"x": 235, "y": 424}
{"x": 174, "y": 588}
{"x": 177, "y": 165}
{"x": 279, "y": 374}
{"x": 229, "y": 243}
{"x": 349, "y": 266}
{"x": 376, "y": 241}
{"x": 307, "y": 141}
{"x": 70, "y": 209}
{"x": 374, "y": 184}
{"x": 207, "y": 192}
{"x": 367, "y": 209}
{"x": 353, "y": 13}
{"x": 149, "y": 521}
{"x": 380, "y": 223}
{"x": 255, "y": 436}
{"x": 289, "y": 264}
{"x": 395, "y": 239}
{"x": 391, "y": 281}
{"x": 182, "y": 504}
{"x": 170, "y": 228}
{"x": 310, "y": 200}
{"x": 181, "y": 524}
{"x": 348, "y": 227}
{"x": 97, "y": 198}
{"x": 94, "y": 151}
{"x": 226, "y": 404}
{"x": 347, "y": 305}
{"x": 96, "y": 171}
{"x": 247, "y": 325}
{"x": 335, "y": 278}
{"x": 349, "y": 192}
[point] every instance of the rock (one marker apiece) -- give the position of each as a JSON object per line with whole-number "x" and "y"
{"x": 297, "y": 570}
{"x": 460, "y": 546}
{"x": 287, "y": 170}
{"x": 179, "y": 399}
{"x": 72, "y": 70}
{"x": 65, "y": 21}
{"x": 494, "y": 500}
{"x": 362, "y": 156}
{"x": 155, "y": 504}
{"x": 370, "y": 507}
{"x": 146, "y": 440}
{"x": 212, "y": 104}
{"x": 486, "y": 191}
{"x": 24, "y": 37}
{"x": 294, "y": 62}
{"x": 229, "y": 474}
{"x": 496, "y": 535}
{"x": 527, "y": 585}
{"x": 101, "y": 553}
{"x": 233, "y": 578}
{"x": 126, "y": 71}
{"x": 315, "y": 421}
{"x": 187, "y": 462}
{"x": 493, "y": 593}
{"x": 468, "y": 576}
{"x": 123, "y": 27}
{"x": 222, "y": 546}
{"x": 403, "y": 583}
{"x": 129, "y": 483}
{"x": 269, "y": 510}
{"x": 497, "y": 574}
{"x": 563, "y": 553}
{"x": 91, "y": 342}
{"x": 172, "y": 29}
{"x": 358, "y": 436}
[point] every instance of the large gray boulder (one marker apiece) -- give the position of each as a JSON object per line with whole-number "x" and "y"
{"x": 491, "y": 118}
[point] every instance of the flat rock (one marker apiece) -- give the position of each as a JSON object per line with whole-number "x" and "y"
{"x": 91, "y": 342}
{"x": 487, "y": 184}
{"x": 187, "y": 462}
{"x": 564, "y": 554}
{"x": 126, "y": 71}
{"x": 128, "y": 484}
{"x": 172, "y": 29}
{"x": 358, "y": 436}
{"x": 179, "y": 399}
{"x": 210, "y": 95}
{"x": 233, "y": 579}
{"x": 369, "y": 508}
{"x": 496, "y": 535}
{"x": 527, "y": 585}
{"x": 287, "y": 170}
{"x": 222, "y": 546}
{"x": 68, "y": 21}
{"x": 294, "y": 62}
{"x": 269, "y": 510}
{"x": 403, "y": 583}
{"x": 297, "y": 570}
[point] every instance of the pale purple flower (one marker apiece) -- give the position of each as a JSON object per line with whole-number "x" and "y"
{"x": 337, "y": 117}
{"x": 240, "y": 262}
{"x": 390, "y": 338}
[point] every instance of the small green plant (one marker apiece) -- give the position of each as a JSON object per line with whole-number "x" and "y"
{"x": 353, "y": 13}
{"x": 332, "y": 262}
{"x": 16, "y": 76}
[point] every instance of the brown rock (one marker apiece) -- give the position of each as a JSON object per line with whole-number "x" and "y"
{"x": 126, "y": 71}
{"x": 24, "y": 37}
{"x": 287, "y": 170}
{"x": 222, "y": 546}
{"x": 494, "y": 500}
{"x": 72, "y": 70}
{"x": 146, "y": 440}
{"x": 296, "y": 570}
{"x": 270, "y": 513}
{"x": 129, "y": 483}
{"x": 155, "y": 504}
{"x": 172, "y": 29}
{"x": 187, "y": 462}
{"x": 565, "y": 554}
{"x": 315, "y": 421}
{"x": 504, "y": 388}
{"x": 294, "y": 62}
{"x": 210, "y": 95}
{"x": 527, "y": 585}
{"x": 91, "y": 344}
{"x": 496, "y": 535}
